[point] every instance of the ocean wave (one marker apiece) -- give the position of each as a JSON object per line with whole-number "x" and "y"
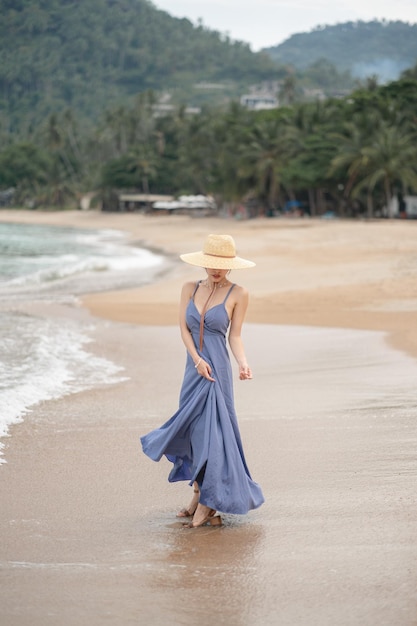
{"x": 48, "y": 260}
{"x": 71, "y": 265}
{"x": 45, "y": 359}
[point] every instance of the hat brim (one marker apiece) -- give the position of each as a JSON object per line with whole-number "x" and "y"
{"x": 212, "y": 262}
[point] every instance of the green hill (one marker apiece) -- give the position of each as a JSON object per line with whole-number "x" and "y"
{"x": 94, "y": 54}
{"x": 377, "y": 48}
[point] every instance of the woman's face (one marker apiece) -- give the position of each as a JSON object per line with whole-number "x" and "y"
{"x": 216, "y": 275}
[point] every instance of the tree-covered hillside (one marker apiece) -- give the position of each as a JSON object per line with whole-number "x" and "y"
{"x": 64, "y": 62}
{"x": 364, "y": 48}
{"x": 95, "y": 53}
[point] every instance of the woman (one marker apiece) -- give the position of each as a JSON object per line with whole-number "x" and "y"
{"x": 202, "y": 438}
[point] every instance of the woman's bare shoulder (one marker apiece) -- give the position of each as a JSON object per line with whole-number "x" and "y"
{"x": 240, "y": 292}
{"x": 189, "y": 287}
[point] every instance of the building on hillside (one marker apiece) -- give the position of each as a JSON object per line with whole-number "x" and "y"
{"x": 161, "y": 110}
{"x": 262, "y": 96}
{"x": 314, "y": 94}
{"x": 165, "y": 107}
{"x": 259, "y": 101}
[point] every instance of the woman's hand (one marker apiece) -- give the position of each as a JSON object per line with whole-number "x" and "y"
{"x": 245, "y": 372}
{"x": 204, "y": 370}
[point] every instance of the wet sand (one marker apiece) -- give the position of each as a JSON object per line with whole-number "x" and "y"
{"x": 88, "y": 526}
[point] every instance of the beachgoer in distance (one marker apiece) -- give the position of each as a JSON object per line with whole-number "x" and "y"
{"x": 202, "y": 438}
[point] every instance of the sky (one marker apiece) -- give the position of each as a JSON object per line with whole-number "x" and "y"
{"x": 265, "y": 23}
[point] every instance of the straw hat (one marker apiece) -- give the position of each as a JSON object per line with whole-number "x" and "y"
{"x": 218, "y": 253}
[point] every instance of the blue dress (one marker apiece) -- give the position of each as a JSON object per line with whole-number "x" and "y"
{"x": 202, "y": 438}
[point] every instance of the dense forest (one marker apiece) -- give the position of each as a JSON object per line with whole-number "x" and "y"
{"x": 350, "y": 155}
{"x": 362, "y": 48}
{"x": 81, "y": 86}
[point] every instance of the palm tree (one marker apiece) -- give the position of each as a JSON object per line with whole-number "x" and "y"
{"x": 288, "y": 90}
{"x": 144, "y": 162}
{"x": 391, "y": 159}
{"x": 310, "y": 149}
{"x": 263, "y": 157}
{"x": 198, "y": 152}
{"x": 62, "y": 170}
{"x": 352, "y": 162}
{"x": 231, "y": 134}
{"x": 112, "y": 134}
{"x": 374, "y": 152}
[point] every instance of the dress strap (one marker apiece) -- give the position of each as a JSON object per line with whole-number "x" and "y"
{"x": 195, "y": 288}
{"x": 228, "y": 293}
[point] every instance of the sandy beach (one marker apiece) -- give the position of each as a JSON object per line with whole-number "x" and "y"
{"x": 88, "y": 526}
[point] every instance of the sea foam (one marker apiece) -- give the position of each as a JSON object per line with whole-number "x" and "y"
{"x": 44, "y": 359}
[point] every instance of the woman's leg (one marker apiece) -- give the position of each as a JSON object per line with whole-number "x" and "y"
{"x": 189, "y": 512}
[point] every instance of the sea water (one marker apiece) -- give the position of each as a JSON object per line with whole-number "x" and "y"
{"x": 43, "y": 357}
{"x": 50, "y": 261}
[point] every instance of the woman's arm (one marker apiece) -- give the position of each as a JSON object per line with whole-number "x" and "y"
{"x": 202, "y": 367}
{"x": 235, "y": 339}
{"x": 186, "y": 294}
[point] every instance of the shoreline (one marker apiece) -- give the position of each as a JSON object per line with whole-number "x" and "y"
{"x": 344, "y": 274}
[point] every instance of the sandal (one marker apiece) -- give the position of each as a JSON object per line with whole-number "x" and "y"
{"x": 211, "y": 519}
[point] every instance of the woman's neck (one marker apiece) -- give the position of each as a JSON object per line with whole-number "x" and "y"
{"x": 213, "y": 285}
